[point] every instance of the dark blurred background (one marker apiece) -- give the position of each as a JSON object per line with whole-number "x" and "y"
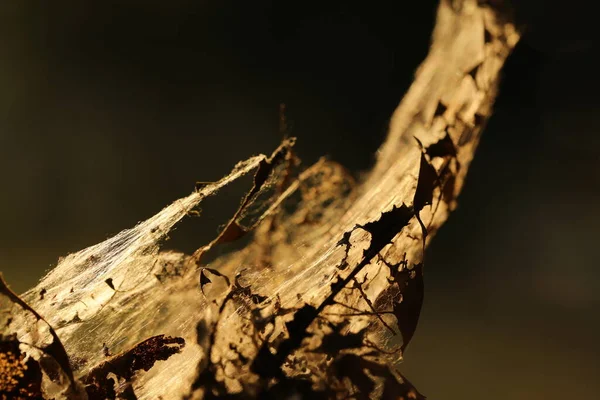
{"x": 109, "y": 110}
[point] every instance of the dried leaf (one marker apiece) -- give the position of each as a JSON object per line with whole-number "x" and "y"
{"x": 142, "y": 356}
{"x": 233, "y": 230}
{"x": 55, "y": 349}
{"x": 408, "y": 310}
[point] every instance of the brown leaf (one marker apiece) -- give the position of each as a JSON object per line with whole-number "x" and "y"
{"x": 408, "y": 309}
{"x": 55, "y": 349}
{"x": 233, "y": 230}
{"x": 142, "y": 356}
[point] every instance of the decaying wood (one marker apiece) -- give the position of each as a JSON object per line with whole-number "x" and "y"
{"x": 325, "y": 298}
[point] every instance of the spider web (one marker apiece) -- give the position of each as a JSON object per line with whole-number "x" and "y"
{"x": 121, "y": 291}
